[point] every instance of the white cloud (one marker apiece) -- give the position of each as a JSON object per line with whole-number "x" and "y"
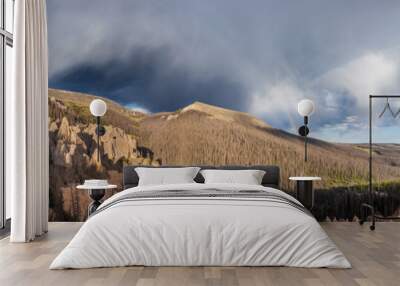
{"x": 371, "y": 73}
{"x": 350, "y": 129}
{"x": 277, "y": 101}
{"x": 345, "y": 90}
{"x": 340, "y": 94}
{"x": 349, "y": 123}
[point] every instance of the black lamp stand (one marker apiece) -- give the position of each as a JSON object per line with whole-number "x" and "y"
{"x": 100, "y": 131}
{"x": 303, "y": 131}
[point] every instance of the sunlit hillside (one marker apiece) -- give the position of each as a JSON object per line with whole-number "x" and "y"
{"x": 204, "y": 134}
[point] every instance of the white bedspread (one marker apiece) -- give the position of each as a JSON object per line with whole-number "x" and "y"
{"x": 200, "y": 231}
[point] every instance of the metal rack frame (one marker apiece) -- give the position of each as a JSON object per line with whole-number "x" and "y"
{"x": 371, "y": 195}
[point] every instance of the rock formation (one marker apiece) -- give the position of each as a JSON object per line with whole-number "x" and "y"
{"x": 73, "y": 158}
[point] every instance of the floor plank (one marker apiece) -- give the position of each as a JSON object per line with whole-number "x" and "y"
{"x": 375, "y": 257}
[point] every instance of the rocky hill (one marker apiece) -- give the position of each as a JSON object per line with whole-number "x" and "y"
{"x": 73, "y": 150}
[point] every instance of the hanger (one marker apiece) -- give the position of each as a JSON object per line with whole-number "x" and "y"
{"x": 397, "y": 113}
{"x": 387, "y": 106}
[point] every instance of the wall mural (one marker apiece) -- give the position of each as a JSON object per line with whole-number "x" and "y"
{"x": 184, "y": 91}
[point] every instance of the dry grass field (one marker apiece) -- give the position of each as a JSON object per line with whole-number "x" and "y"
{"x": 203, "y": 134}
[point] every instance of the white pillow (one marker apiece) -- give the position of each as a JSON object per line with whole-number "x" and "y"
{"x": 248, "y": 177}
{"x": 165, "y": 176}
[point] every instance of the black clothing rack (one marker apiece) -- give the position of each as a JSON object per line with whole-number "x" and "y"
{"x": 371, "y": 194}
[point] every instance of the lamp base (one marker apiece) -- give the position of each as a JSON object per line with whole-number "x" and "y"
{"x": 305, "y": 193}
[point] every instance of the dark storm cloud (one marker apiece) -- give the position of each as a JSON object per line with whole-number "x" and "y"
{"x": 259, "y": 56}
{"x": 145, "y": 77}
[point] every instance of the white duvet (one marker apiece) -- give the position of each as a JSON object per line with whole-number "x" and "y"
{"x": 200, "y": 231}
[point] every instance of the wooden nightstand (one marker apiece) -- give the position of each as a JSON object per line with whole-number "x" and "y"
{"x": 96, "y": 194}
{"x": 304, "y": 190}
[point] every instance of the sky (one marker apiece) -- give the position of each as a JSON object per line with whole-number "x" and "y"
{"x": 256, "y": 56}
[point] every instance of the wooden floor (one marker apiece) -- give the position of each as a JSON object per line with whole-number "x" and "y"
{"x": 375, "y": 257}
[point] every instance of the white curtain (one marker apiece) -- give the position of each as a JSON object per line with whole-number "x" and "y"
{"x": 27, "y": 122}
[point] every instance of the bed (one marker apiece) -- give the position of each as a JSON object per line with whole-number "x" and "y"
{"x": 198, "y": 224}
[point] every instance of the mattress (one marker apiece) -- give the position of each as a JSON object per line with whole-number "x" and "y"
{"x": 201, "y": 225}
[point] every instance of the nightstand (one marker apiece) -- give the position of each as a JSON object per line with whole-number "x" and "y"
{"x": 304, "y": 190}
{"x": 96, "y": 193}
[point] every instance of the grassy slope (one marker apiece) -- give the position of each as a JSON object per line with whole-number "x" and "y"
{"x": 116, "y": 115}
{"x": 203, "y": 134}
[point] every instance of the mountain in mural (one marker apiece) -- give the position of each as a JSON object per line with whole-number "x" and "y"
{"x": 205, "y": 134}
{"x": 199, "y": 134}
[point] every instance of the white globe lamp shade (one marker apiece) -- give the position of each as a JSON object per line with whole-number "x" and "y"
{"x": 305, "y": 107}
{"x": 98, "y": 107}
